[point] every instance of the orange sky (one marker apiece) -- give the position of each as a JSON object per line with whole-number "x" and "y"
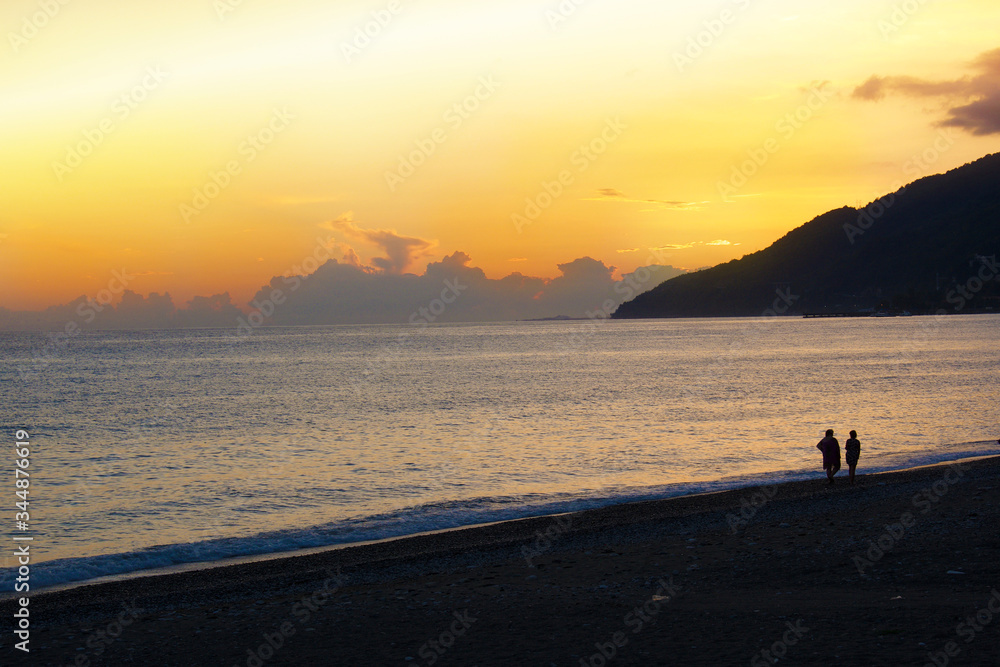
{"x": 204, "y": 146}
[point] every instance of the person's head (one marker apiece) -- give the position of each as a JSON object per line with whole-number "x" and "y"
{"x": 829, "y": 432}
{"x": 854, "y": 434}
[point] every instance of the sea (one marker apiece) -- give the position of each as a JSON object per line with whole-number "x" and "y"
{"x": 154, "y": 449}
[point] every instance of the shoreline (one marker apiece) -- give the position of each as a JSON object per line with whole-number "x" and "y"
{"x": 508, "y": 563}
{"x": 248, "y": 559}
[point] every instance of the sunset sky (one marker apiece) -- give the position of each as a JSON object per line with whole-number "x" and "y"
{"x": 121, "y": 120}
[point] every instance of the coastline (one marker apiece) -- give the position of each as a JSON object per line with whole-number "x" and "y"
{"x": 358, "y": 584}
{"x": 66, "y": 573}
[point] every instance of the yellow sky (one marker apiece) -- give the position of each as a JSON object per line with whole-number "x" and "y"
{"x": 200, "y": 144}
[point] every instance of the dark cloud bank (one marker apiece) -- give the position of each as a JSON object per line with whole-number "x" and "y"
{"x": 973, "y": 102}
{"x": 348, "y": 293}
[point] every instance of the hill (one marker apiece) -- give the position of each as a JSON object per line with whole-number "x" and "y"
{"x": 931, "y": 245}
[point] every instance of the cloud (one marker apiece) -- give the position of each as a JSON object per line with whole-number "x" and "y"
{"x": 686, "y": 246}
{"x": 350, "y": 256}
{"x": 133, "y": 311}
{"x": 973, "y": 101}
{"x": 450, "y": 290}
{"x": 876, "y": 88}
{"x": 401, "y": 251}
{"x": 627, "y": 250}
{"x": 605, "y": 194}
{"x": 340, "y": 294}
{"x": 216, "y": 311}
{"x": 981, "y": 117}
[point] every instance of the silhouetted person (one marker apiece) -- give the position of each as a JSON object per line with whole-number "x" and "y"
{"x": 831, "y": 454}
{"x": 852, "y": 448}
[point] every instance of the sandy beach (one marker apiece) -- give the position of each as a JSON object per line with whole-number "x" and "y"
{"x": 903, "y": 568}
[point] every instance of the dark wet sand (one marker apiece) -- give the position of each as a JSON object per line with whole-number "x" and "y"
{"x": 653, "y": 583}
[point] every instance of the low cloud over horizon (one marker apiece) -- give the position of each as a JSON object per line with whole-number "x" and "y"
{"x": 346, "y": 292}
{"x": 973, "y": 101}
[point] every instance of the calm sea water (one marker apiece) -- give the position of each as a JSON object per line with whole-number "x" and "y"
{"x": 162, "y": 447}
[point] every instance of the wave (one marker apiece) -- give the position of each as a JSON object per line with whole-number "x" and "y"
{"x": 423, "y": 518}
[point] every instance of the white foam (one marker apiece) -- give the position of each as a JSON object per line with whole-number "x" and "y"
{"x": 424, "y": 518}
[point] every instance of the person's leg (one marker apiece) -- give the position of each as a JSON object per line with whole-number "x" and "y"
{"x": 853, "y": 467}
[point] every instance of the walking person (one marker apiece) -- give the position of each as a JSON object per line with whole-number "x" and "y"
{"x": 831, "y": 455}
{"x": 852, "y": 448}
